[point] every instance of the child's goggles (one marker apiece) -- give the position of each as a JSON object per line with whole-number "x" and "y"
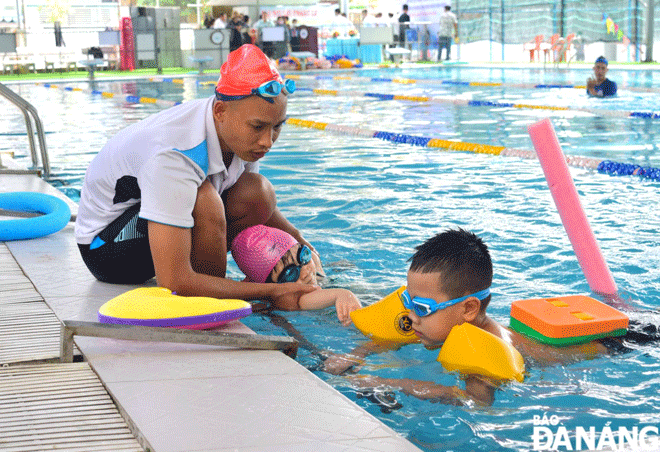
{"x": 291, "y": 273}
{"x": 427, "y": 306}
{"x": 266, "y": 91}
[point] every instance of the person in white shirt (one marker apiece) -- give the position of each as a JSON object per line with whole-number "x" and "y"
{"x": 263, "y": 22}
{"x": 447, "y": 32}
{"x": 221, "y": 21}
{"x": 166, "y": 196}
{"x": 341, "y": 24}
{"x": 368, "y": 20}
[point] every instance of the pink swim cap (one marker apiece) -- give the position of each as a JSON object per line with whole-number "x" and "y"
{"x": 257, "y": 249}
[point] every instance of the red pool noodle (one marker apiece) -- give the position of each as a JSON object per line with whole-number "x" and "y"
{"x": 570, "y": 209}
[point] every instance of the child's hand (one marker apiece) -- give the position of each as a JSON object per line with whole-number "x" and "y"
{"x": 338, "y": 364}
{"x": 346, "y": 303}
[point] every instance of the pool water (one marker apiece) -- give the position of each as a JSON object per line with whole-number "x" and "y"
{"x": 366, "y": 203}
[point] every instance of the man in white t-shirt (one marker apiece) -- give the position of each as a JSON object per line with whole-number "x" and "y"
{"x": 263, "y": 22}
{"x": 221, "y": 21}
{"x": 166, "y": 196}
{"x": 447, "y": 32}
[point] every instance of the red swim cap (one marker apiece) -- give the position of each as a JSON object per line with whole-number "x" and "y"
{"x": 246, "y": 68}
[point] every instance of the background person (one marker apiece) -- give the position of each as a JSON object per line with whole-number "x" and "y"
{"x": 447, "y": 33}
{"x": 167, "y": 195}
{"x": 237, "y": 27}
{"x": 266, "y": 47}
{"x": 404, "y": 24}
{"x": 220, "y": 21}
{"x": 599, "y": 85}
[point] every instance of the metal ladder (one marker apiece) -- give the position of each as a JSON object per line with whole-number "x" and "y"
{"x": 28, "y": 110}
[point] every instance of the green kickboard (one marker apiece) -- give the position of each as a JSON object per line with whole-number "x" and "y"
{"x": 525, "y": 330}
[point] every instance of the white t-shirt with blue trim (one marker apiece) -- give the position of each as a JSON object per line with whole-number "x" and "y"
{"x": 160, "y": 162}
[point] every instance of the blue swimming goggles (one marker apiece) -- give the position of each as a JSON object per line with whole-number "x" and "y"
{"x": 427, "y": 306}
{"x": 291, "y": 273}
{"x": 266, "y": 91}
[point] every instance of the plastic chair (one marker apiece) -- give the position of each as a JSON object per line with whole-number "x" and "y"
{"x": 533, "y": 47}
{"x": 561, "y": 47}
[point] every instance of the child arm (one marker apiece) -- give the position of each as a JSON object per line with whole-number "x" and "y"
{"x": 344, "y": 300}
{"x": 337, "y": 364}
{"x": 476, "y": 388}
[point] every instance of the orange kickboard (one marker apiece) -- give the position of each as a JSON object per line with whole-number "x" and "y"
{"x": 571, "y": 316}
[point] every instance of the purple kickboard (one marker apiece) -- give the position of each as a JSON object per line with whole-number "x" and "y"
{"x": 197, "y": 322}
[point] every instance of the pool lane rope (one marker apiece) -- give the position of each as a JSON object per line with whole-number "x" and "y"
{"x": 602, "y": 166}
{"x": 482, "y": 103}
{"x": 407, "y": 81}
{"x": 570, "y": 209}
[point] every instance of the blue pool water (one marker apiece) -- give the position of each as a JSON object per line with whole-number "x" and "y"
{"x": 366, "y": 203}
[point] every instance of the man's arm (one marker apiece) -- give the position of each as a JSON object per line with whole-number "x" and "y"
{"x": 171, "y": 250}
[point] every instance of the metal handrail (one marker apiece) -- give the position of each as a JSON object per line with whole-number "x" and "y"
{"x": 71, "y": 328}
{"x": 26, "y": 108}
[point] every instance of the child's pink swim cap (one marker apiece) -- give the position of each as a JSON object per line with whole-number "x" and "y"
{"x": 257, "y": 249}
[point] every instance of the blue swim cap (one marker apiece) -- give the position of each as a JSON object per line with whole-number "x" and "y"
{"x": 601, "y": 59}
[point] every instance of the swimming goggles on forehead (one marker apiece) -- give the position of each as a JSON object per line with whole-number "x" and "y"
{"x": 274, "y": 88}
{"x": 266, "y": 91}
{"x": 291, "y": 273}
{"x": 427, "y": 306}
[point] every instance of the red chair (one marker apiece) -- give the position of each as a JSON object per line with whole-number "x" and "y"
{"x": 533, "y": 47}
{"x": 561, "y": 47}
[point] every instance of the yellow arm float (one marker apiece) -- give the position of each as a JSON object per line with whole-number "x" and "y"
{"x": 386, "y": 321}
{"x": 471, "y": 350}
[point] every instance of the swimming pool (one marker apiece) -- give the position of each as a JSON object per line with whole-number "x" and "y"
{"x": 365, "y": 203}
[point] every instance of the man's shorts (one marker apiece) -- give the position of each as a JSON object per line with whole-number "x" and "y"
{"x": 120, "y": 254}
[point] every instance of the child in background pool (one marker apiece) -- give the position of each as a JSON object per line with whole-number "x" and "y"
{"x": 449, "y": 284}
{"x": 268, "y": 254}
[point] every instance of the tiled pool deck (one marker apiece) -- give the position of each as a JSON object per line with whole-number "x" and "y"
{"x": 177, "y": 397}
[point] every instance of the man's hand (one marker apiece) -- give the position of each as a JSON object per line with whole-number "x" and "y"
{"x": 591, "y": 83}
{"x": 286, "y": 296}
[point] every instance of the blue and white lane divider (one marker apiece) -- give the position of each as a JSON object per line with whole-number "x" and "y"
{"x": 121, "y": 97}
{"x": 604, "y": 166}
{"x": 408, "y": 81}
{"x": 482, "y": 103}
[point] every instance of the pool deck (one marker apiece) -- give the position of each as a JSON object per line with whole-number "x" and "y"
{"x": 172, "y": 397}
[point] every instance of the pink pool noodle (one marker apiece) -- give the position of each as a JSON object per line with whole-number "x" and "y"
{"x": 570, "y": 209}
